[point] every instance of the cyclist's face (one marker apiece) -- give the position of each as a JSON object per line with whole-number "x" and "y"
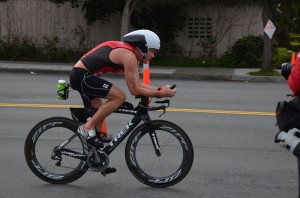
{"x": 145, "y": 56}
{"x": 150, "y": 54}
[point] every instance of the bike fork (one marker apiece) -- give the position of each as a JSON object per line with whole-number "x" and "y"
{"x": 155, "y": 142}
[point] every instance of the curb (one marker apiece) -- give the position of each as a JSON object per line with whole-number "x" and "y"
{"x": 179, "y": 73}
{"x": 249, "y": 78}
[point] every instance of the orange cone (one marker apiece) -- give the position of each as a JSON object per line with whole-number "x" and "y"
{"x": 146, "y": 73}
{"x": 293, "y": 59}
{"x": 104, "y": 128}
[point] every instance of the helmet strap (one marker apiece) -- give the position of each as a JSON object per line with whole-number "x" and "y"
{"x": 143, "y": 55}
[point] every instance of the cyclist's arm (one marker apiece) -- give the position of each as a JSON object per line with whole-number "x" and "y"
{"x": 134, "y": 84}
{"x": 148, "y": 86}
{"x": 136, "y": 87}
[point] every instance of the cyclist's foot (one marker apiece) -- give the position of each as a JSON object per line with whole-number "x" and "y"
{"x": 90, "y": 136}
{"x": 87, "y": 134}
{"x": 104, "y": 137}
{"x": 109, "y": 170}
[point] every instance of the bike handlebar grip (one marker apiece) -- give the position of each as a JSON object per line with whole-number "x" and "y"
{"x": 157, "y": 108}
{"x": 162, "y": 101}
{"x": 173, "y": 86}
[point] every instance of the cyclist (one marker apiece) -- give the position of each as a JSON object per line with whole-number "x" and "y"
{"x": 114, "y": 56}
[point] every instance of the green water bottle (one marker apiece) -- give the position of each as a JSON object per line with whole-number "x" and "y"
{"x": 61, "y": 90}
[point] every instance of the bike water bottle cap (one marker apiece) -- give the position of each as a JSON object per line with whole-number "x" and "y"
{"x": 61, "y": 81}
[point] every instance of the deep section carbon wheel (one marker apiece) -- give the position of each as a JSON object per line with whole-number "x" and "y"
{"x": 43, "y": 157}
{"x": 163, "y": 170}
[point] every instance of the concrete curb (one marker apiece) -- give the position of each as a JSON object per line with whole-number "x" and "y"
{"x": 180, "y": 73}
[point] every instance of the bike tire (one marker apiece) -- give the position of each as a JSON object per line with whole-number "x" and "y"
{"x": 41, "y": 141}
{"x": 175, "y": 145}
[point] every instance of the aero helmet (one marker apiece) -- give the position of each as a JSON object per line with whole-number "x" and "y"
{"x": 143, "y": 39}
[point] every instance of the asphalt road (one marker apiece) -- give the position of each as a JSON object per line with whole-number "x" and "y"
{"x": 235, "y": 155}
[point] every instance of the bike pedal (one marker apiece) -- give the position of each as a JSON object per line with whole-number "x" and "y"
{"x": 108, "y": 170}
{"x": 58, "y": 163}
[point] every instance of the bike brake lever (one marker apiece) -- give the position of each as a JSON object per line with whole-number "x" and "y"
{"x": 164, "y": 111}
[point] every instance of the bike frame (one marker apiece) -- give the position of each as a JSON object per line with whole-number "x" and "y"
{"x": 140, "y": 114}
{"x": 125, "y": 131}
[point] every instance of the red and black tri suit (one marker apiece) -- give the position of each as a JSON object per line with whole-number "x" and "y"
{"x": 97, "y": 62}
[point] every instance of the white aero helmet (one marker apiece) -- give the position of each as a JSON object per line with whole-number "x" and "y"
{"x": 143, "y": 39}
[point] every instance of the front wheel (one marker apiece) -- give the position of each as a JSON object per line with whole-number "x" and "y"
{"x": 41, "y": 143}
{"x": 159, "y": 170}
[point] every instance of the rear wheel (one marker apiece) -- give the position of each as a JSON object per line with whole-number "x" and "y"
{"x": 42, "y": 141}
{"x": 171, "y": 166}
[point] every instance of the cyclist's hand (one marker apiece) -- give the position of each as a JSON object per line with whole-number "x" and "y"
{"x": 167, "y": 91}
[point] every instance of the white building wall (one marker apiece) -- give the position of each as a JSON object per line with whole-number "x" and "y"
{"x": 228, "y": 25}
{"x": 40, "y": 19}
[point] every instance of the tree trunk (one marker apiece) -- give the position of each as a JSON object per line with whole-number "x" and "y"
{"x": 267, "y": 56}
{"x": 128, "y": 8}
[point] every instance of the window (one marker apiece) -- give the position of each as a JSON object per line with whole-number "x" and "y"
{"x": 199, "y": 28}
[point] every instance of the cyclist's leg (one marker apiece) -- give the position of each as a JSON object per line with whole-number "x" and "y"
{"x": 96, "y": 103}
{"x": 96, "y": 88}
{"x": 115, "y": 98}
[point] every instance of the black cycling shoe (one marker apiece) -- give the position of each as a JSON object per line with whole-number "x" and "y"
{"x": 104, "y": 137}
{"x": 94, "y": 141}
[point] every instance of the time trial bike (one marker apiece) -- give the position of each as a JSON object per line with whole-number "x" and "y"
{"x": 158, "y": 152}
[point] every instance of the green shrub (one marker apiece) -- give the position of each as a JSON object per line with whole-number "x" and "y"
{"x": 281, "y": 56}
{"x": 295, "y": 46}
{"x": 246, "y": 52}
{"x": 56, "y": 53}
{"x": 295, "y": 37}
{"x": 26, "y": 49}
{"x": 228, "y": 60}
{"x": 19, "y": 49}
{"x": 295, "y": 42}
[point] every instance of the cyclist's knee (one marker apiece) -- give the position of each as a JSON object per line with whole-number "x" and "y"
{"x": 117, "y": 95}
{"x": 122, "y": 97}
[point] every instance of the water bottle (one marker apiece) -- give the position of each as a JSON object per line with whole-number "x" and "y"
{"x": 61, "y": 90}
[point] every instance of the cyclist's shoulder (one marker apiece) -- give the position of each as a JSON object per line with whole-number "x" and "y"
{"x": 123, "y": 56}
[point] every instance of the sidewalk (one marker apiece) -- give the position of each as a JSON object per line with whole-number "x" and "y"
{"x": 182, "y": 73}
